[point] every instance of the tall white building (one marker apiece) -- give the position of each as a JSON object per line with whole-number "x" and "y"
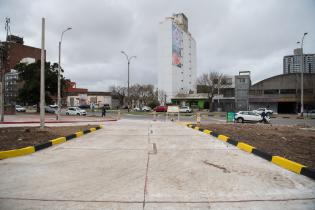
{"x": 176, "y": 57}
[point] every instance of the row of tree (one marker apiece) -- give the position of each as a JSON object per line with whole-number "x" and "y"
{"x": 139, "y": 95}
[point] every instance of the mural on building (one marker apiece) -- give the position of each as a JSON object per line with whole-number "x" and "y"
{"x": 176, "y": 46}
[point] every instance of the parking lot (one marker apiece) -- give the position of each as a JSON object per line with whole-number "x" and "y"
{"x": 132, "y": 164}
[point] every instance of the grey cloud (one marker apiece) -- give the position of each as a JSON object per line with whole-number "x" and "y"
{"x": 231, "y": 35}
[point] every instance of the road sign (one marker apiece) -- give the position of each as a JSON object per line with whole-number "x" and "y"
{"x": 173, "y": 109}
{"x": 230, "y": 116}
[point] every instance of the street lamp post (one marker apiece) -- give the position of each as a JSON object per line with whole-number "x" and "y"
{"x": 128, "y": 60}
{"x": 59, "y": 69}
{"x": 302, "y": 71}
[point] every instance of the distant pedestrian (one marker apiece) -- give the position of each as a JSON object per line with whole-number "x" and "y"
{"x": 103, "y": 111}
{"x": 264, "y": 115}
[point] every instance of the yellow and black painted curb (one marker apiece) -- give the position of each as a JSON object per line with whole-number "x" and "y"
{"x": 35, "y": 148}
{"x": 280, "y": 161}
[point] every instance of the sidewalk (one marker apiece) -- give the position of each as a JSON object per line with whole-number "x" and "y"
{"x": 51, "y": 118}
{"x": 133, "y": 164}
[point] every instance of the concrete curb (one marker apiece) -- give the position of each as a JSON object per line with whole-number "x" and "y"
{"x": 35, "y": 148}
{"x": 280, "y": 161}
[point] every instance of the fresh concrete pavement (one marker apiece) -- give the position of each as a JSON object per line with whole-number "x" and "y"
{"x": 133, "y": 164}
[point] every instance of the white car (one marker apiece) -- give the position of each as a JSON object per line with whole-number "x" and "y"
{"x": 261, "y": 110}
{"x": 136, "y": 109}
{"x": 185, "y": 109}
{"x": 75, "y": 111}
{"x": 54, "y": 106}
{"x": 19, "y": 108}
{"x": 146, "y": 109}
{"x": 247, "y": 116}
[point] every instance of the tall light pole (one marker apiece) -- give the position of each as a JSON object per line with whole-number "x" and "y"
{"x": 302, "y": 71}
{"x": 59, "y": 69}
{"x": 42, "y": 77}
{"x": 128, "y": 60}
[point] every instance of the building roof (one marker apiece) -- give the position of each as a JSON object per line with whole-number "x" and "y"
{"x": 285, "y": 81}
{"x": 98, "y": 93}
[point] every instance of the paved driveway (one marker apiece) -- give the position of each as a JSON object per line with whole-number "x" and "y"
{"x": 132, "y": 164}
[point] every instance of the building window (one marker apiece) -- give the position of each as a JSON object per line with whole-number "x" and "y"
{"x": 241, "y": 80}
{"x": 287, "y": 91}
{"x": 271, "y": 91}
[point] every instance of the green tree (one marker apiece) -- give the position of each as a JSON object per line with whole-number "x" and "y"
{"x": 29, "y": 79}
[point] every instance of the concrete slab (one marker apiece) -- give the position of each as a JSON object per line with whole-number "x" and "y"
{"x": 66, "y": 205}
{"x": 75, "y": 174}
{"x": 220, "y": 175}
{"x": 252, "y": 205}
{"x": 117, "y": 167}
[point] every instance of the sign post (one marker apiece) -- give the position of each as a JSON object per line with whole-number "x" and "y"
{"x": 173, "y": 110}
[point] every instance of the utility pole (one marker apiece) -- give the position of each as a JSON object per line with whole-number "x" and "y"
{"x": 2, "y": 68}
{"x": 302, "y": 72}
{"x": 4, "y": 56}
{"x": 59, "y": 69}
{"x": 128, "y": 60}
{"x": 42, "y": 78}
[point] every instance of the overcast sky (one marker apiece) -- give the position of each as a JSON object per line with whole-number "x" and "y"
{"x": 231, "y": 35}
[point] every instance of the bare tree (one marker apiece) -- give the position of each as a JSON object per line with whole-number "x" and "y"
{"x": 120, "y": 93}
{"x": 162, "y": 97}
{"x": 210, "y": 83}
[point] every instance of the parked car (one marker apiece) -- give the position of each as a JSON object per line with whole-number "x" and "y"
{"x": 75, "y": 111}
{"x": 247, "y": 116}
{"x": 146, "y": 109}
{"x": 160, "y": 109}
{"x": 185, "y": 109}
{"x": 48, "y": 109}
{"x": 54, "y": 106}
{"x": 260, "y": 110}
{"x": 136, "y": 109}
{"x": 19, "y": 108}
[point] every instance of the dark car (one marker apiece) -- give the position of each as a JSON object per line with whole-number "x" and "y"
{"x": 160, "y": 109}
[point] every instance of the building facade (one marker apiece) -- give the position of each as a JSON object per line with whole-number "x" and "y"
{"x": 223, "y": 98}
{"x": 16, "y": 53}
{"x": 242, "y": 85}
{"x": 176, "y": 57}
{"x": 282, "y": 93}
{"x": 292, "y": 63}
{"x": 11, "y": 87}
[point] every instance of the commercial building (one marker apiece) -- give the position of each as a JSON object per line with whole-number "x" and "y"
{"x": 292, "y": 63}
{"x": 282, "y": 93}
{"x": 82, "y": 96}
{"x": 11, "y": 87}
{"x": 16, "y": 52}
{"x": 223, "y": 98}
{"x": 176, "y": 57}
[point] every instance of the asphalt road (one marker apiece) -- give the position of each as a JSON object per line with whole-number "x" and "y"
{"x": 132, "y": 164}
{"x": 218, "y": 119}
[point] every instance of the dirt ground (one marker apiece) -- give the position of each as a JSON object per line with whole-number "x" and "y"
{"x": 18, "y": 137}
{"x": 292, "y": 142}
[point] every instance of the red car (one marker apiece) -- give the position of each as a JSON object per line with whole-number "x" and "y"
{"x": 160, "y": 109}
